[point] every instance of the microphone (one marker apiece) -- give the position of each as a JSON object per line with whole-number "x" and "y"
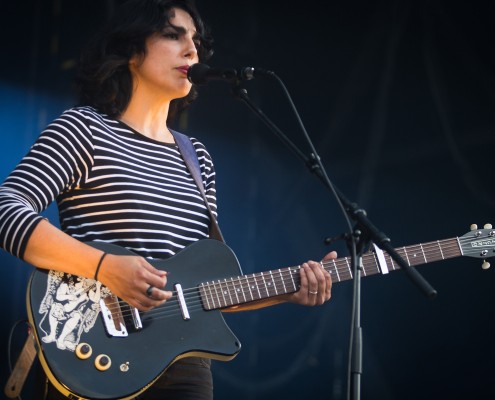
{"x": 200, "y": 74}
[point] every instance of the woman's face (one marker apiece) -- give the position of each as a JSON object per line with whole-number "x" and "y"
{"x": 162, "y": 71}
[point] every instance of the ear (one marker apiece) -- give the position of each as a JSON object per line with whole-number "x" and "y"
{"x": 134, "y": 61}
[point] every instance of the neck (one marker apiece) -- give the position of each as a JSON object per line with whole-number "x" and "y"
{"x": 148, "y": 117}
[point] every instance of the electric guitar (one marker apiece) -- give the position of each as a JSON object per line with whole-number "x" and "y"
{"x": 99, "y": 347}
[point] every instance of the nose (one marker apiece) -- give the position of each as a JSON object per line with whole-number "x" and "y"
{"x": 190, "y": 50}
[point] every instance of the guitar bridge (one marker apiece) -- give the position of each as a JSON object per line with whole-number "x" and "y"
{"x": 112, "y": 316}
{"x": 115, "y": 322}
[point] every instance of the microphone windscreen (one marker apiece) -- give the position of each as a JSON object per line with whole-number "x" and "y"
{"x": 198, "y": 73}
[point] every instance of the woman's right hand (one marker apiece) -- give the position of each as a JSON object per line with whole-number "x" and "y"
{"x": 130, "y": 277}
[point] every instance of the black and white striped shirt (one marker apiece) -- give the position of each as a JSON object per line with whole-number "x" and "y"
{"x": 111, "y": 184}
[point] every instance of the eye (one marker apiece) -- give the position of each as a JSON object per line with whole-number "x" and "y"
{"x": 171, "y": 35}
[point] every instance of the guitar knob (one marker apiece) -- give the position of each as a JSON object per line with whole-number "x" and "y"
{"x": 103, "y": 362}
{"x": 485, "y": 265}
{"x": 473, "y": 227}
{"x": 83, "y": 351}
{"x": 487, "y": 226}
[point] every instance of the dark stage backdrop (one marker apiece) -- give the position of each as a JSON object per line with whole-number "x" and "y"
{"x": 398, "y": 98}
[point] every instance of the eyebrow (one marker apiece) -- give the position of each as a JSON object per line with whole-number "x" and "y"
{"x": 181, "y": 30}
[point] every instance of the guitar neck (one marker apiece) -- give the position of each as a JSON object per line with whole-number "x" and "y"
{"x": 262, "y": 285}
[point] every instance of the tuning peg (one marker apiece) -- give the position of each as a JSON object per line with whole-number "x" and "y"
{"x": 473, "y": 227}
{"x": 485, "y": 265}
{"x": 487, "y": 226}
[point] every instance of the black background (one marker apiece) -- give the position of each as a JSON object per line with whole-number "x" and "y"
{"x": 398, "y": 99}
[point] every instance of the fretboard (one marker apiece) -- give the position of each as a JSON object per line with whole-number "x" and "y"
{"x": 261, "y": 285}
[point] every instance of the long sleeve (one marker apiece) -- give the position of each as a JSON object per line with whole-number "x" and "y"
{"x": 58, "y": 160}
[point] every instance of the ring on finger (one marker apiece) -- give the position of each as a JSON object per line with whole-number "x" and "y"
{"x": 315, "y": 292}
{"x": 149, "y": 291}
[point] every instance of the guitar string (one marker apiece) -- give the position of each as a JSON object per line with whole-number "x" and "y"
{"x": 171, "y": 308}
{"x": 219, "y": 286}
{"x": 227, "y": 296}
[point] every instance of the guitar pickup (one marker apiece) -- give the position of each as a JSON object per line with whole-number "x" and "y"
{"x": 182, "y": 302}
{"x": 136, "y": 318}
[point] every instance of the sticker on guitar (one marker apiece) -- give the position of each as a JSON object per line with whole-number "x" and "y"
{"x": 70, "y": 307}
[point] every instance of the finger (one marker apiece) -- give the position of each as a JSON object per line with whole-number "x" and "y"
{"x": 154, "y": 277}
{"x": 313, "y": 286}
{"x": 152, "y": 270}
{"x": 146, "y": 303}
{"x": 311, "y": 277}
{"x": 328, "y": 278}
{"x": 134, "y": 302}
{"x": 330, "y": 256}
{"x": 155, "y": 293}
{"x": 321, "y": 276}
{"x": 303, "y": 279}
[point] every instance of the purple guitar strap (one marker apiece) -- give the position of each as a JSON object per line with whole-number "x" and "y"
{"x": 190, "y": 157}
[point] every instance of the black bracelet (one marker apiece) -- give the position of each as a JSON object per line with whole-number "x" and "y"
{"x": 99, "y": 265}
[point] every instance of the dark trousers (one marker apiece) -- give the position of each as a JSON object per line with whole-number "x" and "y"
{"x": 186, "y": 379}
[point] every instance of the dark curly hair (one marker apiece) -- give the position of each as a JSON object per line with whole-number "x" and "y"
{"x": 104, "y": 80}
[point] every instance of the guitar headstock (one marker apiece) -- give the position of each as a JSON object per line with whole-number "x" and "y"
{"x": 479, "y": 243}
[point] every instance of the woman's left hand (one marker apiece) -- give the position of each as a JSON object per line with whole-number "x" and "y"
{"x": 316, "y": 283}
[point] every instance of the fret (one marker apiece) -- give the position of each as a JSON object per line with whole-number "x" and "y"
{"x": 376, "y": 264}
{"x": 211, "y": 295}
{"x": 231, "y": 302}
{"x": 348, "y": 267}
{"x": 371, "y": 264}
{"x": 291, "y": 274}
{"x": 440, "y": 248}
{"x": 362, "y": 269}
{"x": 221, "y": 299}
{"x": 411, "y": 254}
{"x": 413, "y": 257}
{"x": 391, "y": 261}
{"x": 217, "y": 293}
{"x": 273, "y": 282}
{"x": 256, "y": 286}
{"x": 241, "y": 289}
{"x": 336, "y": 270}
{"x": 204, "y": 296}
{"x": 232, "y": 281}
{"x": 266, "y": 285}
{"x": 249, "y": 287}
{"x": 423, "y": 250}
{"x": 211, "y": 286}
{"x": 282, "y": 280}
{"x": 406, "y": 255}
{"x": 217, "y": 290}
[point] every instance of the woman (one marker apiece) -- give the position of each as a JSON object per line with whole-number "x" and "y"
{"x": 117, "y": 176}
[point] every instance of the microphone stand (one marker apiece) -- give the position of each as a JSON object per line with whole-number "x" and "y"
{"x": 363, "y": 233}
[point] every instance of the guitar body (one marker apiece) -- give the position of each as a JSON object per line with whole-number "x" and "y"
{"x": 139, "y": 358}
